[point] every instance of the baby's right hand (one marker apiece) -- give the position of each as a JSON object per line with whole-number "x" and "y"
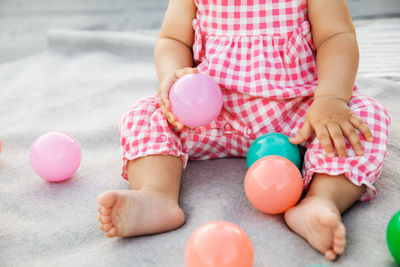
{"x": 163, "y": 95}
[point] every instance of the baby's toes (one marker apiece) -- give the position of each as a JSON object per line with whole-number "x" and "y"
{"x": 330, "y": 255}
{"x": 104, "y": 211}
{"x": 107, "y": 199}
{"x": 340, "y": 231}
{"x": 339, "y": 239}
{"x": 104, "y": 219}
{"x": 106, "y": 227}
{"x": 101, "y": 226}
{"x": 111, "y": 232}
{"x": 339, "y": 245}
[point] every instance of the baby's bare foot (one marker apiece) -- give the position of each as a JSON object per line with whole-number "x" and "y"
{"x": 131, "y": 213}
{"x": 318, "y": 221}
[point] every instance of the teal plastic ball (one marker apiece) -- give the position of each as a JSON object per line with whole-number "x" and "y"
{"x": 393, "y": 237}
{"x": 273, "y": 144}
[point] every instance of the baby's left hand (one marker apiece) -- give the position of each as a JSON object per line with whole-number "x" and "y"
{"x": 331, "y": 119}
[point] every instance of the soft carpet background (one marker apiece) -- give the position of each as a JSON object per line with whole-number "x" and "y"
{"x": 81, "y": 85}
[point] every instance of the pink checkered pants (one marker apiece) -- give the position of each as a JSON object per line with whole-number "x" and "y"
{"x": 144, "y": 131}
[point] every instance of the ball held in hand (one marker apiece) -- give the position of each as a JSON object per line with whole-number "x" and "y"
{"x": 196, "y": 100}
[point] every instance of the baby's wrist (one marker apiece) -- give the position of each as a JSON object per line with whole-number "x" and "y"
{"x": 331, "y": 97}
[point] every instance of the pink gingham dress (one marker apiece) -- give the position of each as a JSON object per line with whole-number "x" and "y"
{"x": 261, "y": 54}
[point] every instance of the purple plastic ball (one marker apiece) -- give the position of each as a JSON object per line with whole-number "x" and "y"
{"x": 196, "y": 100}
{"x": 55, "y": 156}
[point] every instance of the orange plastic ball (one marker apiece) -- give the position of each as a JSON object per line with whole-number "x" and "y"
{"x": 219, "y": 244}
{"x": 273, "y": 184}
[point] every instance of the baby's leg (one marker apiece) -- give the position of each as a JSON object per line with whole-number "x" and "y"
{"x": 317, "y": 218}
{"x": 152, "y": 204}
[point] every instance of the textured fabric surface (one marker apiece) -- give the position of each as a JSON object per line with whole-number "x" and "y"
{"x": 81, "y": 85}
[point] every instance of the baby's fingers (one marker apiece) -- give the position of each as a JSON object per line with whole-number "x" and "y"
{"x": 172, "y": 118}
{"x": 362, "y": 127}
{"x": 324, "y": 138}
{"x": 174, "y": 122}
{"x": 167, "y": 104}
{"x": 304, "y": 133}
{"x": 353, "y": 137}
{"x": 338, "y": 139}
{"x": 177, "y": 124}
{"x": 185, "y": 71}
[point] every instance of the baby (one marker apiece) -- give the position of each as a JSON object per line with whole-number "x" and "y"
{"x": 283, "y": 66}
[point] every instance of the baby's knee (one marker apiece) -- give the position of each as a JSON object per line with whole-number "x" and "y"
{"x": 140, "y": 109}
{"x": 372, "y": 112}
{"x": 140, "y": 114}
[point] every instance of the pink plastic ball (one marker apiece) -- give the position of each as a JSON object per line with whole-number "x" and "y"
{"x": 219, "y": 244}
{"x": 273, "y": 184}
{"x": 55, "y": 156}
{"x": 196, "y": 100}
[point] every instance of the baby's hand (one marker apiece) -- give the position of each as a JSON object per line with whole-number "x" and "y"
{"x": 163, "y": 95}
{"x": 331, "y": 119}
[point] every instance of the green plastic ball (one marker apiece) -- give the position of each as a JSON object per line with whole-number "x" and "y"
{"x": 273, "y": 144}
{"x": 393, "y": 236}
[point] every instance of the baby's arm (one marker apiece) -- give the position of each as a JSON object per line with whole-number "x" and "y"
{"x": 337, "y": 51}
{"x": 337, "y": 61}
{"x": 173, "y": 52}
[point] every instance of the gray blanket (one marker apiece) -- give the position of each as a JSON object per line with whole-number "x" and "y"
{"x": 81, "y": 86}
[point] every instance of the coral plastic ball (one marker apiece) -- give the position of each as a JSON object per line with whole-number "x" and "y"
{"x": 273, "y": 184}
{"x": 273, "y": 144}
{"x": 393, "y": 237}
{"x": 219, "y": 244}
{"x": 55, "y": 156}
{"x": 196, "y": 100}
